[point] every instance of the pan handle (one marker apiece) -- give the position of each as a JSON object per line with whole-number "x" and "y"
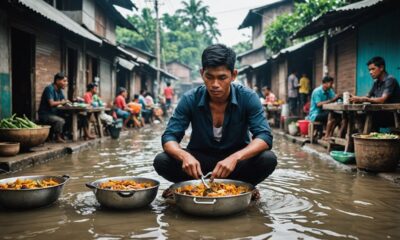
{"x": 65, "y": 177}
{"x": 126, "y": 194}
{"x": 90, "y": 185}
{"x": 205, "y": 203}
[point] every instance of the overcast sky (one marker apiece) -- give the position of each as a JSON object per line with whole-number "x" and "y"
{"x": 229, "y": 13}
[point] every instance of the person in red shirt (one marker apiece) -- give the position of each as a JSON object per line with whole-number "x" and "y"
{"x": 121, "y": 108}
{"x": 269, "y": 96}
{"x": 168, "y": 93}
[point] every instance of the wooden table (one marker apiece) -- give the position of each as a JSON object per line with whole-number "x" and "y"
{"x": 74, "y": 111}
{"x": 351, "y": 110}
{"x": 274, "y": 112}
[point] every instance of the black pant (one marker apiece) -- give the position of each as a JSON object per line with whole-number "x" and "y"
{"x": 253, "y": 170}
{"x": 293, "y": 110}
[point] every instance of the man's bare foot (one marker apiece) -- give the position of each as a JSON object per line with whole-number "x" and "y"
{"x": 255, "y": 195}
{"x": 89, "y": 137}
{"x": 59, "y": 139}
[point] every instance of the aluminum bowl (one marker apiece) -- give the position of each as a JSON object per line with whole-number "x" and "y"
{"x": 31, "y": 198}
{"x": 212, "y": 206}
{"x": 125, "y": 199}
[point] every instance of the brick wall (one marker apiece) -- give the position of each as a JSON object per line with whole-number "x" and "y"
{"x": 346, "y": 68}
{"x": 342, "y": 52}
{"x": 48, "y": 62}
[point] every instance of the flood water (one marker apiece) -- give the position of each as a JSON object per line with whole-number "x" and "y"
{"x": 305, "y": 198}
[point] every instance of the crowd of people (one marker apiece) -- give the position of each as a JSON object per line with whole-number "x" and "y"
{"x": 135, "y": 112}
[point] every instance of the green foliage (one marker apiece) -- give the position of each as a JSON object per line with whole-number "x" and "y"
{"x": 183, "y": 35}
{"x": 278, "y": 33}
{"x": 242, "y": 47}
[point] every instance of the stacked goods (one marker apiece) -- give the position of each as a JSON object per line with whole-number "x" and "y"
{"x": 17, "y": 123}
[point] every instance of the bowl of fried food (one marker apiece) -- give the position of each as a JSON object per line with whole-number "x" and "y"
{"x": 224, "y": 197}
{"x": 124, "y": 192}
{"x": 31, "y": 191}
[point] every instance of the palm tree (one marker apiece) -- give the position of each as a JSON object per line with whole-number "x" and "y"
{"x": 195, "y": 13}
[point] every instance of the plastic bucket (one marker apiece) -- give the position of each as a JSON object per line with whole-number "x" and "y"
{"x": 303, "y": 126}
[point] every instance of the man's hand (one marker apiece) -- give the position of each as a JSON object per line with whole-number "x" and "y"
{"x": 225, "y": 167}
{"x": 356, "y": 99}
{"x": 191, "y": 166}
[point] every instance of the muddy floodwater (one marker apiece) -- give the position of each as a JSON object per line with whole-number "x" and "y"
{"x": 305, "y": 198}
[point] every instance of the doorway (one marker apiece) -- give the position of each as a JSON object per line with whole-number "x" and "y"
{"x": 22, "y": 72}
{"x": 72, "y": 65}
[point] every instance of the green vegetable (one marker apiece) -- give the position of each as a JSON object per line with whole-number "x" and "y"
{"x": 17, "y": 122}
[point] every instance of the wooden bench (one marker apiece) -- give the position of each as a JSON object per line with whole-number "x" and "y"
{"x": 312, "y": 130}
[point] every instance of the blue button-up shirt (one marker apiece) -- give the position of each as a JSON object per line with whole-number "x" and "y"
{"x": 244, "y": 112}
{"x": 317, "y": 96}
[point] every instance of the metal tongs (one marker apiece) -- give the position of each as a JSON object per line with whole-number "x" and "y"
{"x": 208, "y": 187}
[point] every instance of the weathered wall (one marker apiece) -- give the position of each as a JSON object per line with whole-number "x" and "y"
{"x": 5, "y": 80}
{"x": 48, "y": 62}
{"x": 180, "y": 71}
{"x": 283, "y": 74}
{"x": 254, "y": 57}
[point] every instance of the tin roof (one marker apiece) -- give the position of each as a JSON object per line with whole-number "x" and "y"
{"x": 58, "y": 17}
{"x": 340, "y": 17}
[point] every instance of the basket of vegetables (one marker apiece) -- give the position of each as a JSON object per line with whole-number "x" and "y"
{"x": 24, "y": 131}
{"x": 377, "y": 152}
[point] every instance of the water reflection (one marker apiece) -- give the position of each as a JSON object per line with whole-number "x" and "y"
{"x": 305, "y": 198}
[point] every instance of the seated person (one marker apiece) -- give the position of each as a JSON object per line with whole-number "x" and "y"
{"x": 147, "y": 114}
{"x": 52, "y": 97}
{"x": 306, "y": 107}
{"x": 122, "y": 110}
{"x": 136, "y": 111}
{"x": 91, "y": 97}
{"x": 385, "y": 90}
{"x": 269, "y": 96}
{"x": 220, "y": 146}
{"x": 321, "y": 95}
{"x": 157, "y": 111}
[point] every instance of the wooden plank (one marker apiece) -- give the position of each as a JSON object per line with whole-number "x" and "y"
{"x": 361, "y": 107}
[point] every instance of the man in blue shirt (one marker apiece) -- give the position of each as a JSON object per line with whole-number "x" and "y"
{"x": 324, "y": 94}
{"x": 53, "y": 96}
{"x": 221, "y": 114}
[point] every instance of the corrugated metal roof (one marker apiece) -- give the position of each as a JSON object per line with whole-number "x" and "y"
{"x": 342, "y": 16}
{"x": 259, "y": 64}
{"x": 254, "y": 13}
{"x": 295, "y": 47}
{"x": 58, "y": 17}
{"x": 126, "y": 63}
{"x": 358, "y": 5}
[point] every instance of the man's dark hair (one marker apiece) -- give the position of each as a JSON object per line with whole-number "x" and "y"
{"x": 142, "y": 91}
{"x": 217, "y": 55}
{"x": 168, "y": 84}
{"x": 90, "y": 86}
{"x": 121, "y": 90}
{"x": 59, "y": 76}
{"x": 266, "y": 88}
{"x": 136, "y": 96}
{"x": 327, "y": 79}
{"x": 377, "y": 61}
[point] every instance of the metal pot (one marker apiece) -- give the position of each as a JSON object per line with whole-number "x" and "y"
{"x": 31, "y": 198}
{"x": 212, "y": 206}
{"x": 125, "y": 199}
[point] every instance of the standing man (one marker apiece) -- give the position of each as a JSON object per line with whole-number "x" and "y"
{"x": 385, "y": 90}
{"x": 304, "y": 89}
{"x": 52, "y": 97}
{"x": 169, "y": 94}
{"x": 293, "y": 93}
{"x": 221, "y": 114}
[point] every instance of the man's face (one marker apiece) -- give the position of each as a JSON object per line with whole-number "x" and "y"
{"x": 94, "y": 90}
{"x": 375, "y": 71}
{"x": 124, "y": 94}
{"x": 62, "y": 83}
{"x": 328, "y": 85}
{"x": 218, "y": 81}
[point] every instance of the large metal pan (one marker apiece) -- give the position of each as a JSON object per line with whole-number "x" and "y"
{"x": 31, "y": 198}
{"x": 212, "y": 206}
{"x": 125, "y": 199}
